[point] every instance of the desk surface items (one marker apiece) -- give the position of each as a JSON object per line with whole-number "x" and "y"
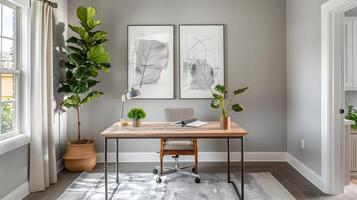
{"x": 165, "y": 129}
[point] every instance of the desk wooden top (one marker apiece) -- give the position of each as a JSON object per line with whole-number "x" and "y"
{"x": 166, "y": 130}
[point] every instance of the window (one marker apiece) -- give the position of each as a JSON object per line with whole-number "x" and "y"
{"x": 9, "y": 71}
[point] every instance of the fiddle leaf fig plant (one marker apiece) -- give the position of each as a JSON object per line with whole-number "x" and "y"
{"x": 226, "y": 106}
{"x": 85, "y": 59}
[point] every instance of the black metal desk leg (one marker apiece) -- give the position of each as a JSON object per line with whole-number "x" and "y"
{"x": 239, "y": 194}
{"x": 242, "y": 168}
{"x": 117, "y": 160}
{"x": 106, "y": 168}
{"x": 228, "y": 162}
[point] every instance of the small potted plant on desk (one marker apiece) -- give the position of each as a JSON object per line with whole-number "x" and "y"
{"x": 137, "y": 114}
{"x": 226, "y": 107}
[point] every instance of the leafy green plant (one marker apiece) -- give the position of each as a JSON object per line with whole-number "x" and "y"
{"x": 219, "y": 102}
{"x": 352, "y": 115}
{"x": 136, "y": 113}
{"x": 86, "y": 58}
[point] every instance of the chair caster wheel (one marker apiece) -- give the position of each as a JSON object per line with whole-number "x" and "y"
{"x": 155, "y": 171}
{"x": 197, "y": 180}
{"x": 158, "y": 180}
{"x": 193, "y": 170}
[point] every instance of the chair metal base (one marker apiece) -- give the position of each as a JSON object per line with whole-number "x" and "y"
{"x": 176, "y": 169}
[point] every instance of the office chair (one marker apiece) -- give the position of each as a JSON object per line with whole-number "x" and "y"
{"x": 178, "y": 146}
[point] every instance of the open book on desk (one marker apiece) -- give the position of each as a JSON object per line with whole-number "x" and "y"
{"x": 190, "y": 122}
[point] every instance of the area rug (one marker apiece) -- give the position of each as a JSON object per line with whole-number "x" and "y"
{"x": 142, "y": 186}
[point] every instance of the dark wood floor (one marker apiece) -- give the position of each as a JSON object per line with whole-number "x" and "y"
{"x": 292, "y": 180}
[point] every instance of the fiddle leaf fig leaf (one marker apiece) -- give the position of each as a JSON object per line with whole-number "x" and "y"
{"x": 72, "y": 101}
{"x": 91, "y": 96}
{"x": 104, "y": 67}
{"x": 73, "y": 40}
{"x": 79, "y": 87}
{"x": 75, "y": 59}
{"x": 93, "y": 23}
{"x": 64, "y": 88}
{"x": 237, "y": 108}
{"x": 239, "y": 91}
{"x": 92, "y": 82}
{"x": 76, "y": 41}
{"x": 81, "y": 32}
{"x": 99, "y": 36}
{"x": 75, "y": 49}
{"x": 86, "y": 16}
{"x": 98, "y": 54}
{"x": 221, "y": 89}
{"x": 93, "y": 72}
{"x": 69, "y": 75}
{"x": 78, "y": 72}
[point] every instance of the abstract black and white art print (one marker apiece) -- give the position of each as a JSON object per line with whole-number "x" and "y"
{"x": 151, "y": 60}
{"x": 201, "y": 60}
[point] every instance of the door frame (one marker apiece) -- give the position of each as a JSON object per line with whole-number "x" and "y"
{"x": 332, "y": 66}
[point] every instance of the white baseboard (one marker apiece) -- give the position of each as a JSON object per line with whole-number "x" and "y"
{"x": 202, "y": 156}
{"x": 19, "y": 193}
{"x": 308, "y": 173}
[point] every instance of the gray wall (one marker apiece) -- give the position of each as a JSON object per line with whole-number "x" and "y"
{"x": 13, "y": 169}
{"x": 14, "y": 164}
{"x": 351, "y": 98}
{"x": 303, "y": 81}
{"x": 255, "y": 57}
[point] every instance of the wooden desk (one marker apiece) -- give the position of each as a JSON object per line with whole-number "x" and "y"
{"x": 156, "y": 130}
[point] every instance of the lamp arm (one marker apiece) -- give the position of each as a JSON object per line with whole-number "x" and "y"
{"x": 123, "y": 99}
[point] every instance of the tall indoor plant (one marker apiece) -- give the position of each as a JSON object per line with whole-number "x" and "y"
{"x": 219, "y": 94}
{"x": 85, "y": 59}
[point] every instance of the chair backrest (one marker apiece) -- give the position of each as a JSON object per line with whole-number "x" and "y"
{"x": 176, "y": 114}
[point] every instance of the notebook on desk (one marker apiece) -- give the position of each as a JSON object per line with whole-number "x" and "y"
{"x": 189, "y": 122}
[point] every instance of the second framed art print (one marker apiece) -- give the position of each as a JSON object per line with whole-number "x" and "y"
{"x": 151, "y": 60}
{"x": 201, "y": 60}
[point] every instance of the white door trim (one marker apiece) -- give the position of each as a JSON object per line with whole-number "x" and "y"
{"x": 332, "y": 142}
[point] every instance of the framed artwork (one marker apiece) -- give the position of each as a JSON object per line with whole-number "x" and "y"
{"x": 201, "y": 60}
{"x": 151, "y": 60}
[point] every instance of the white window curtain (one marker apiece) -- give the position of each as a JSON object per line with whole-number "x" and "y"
{"x": 43, "y": 170}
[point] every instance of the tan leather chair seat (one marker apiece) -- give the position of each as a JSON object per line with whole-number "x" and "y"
{"x": 179, "y": 145}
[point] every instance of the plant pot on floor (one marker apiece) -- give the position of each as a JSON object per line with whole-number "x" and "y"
{"x": 225, "y": 123}
{"x": 80, "y": 156}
